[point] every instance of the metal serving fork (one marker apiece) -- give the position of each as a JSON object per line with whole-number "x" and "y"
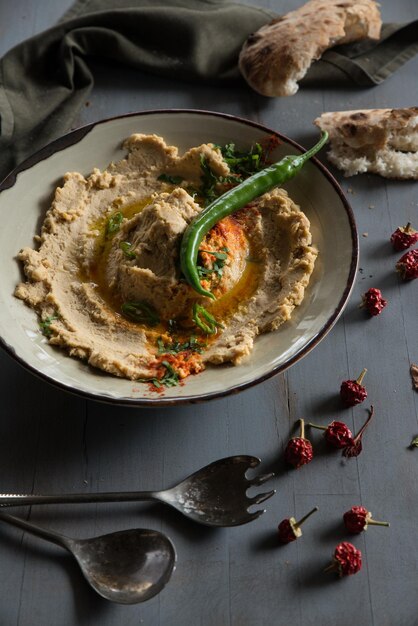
{"x": 215, "y": 495}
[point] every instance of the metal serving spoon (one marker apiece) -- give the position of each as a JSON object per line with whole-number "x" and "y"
{"x": 127, "y": 567}
{"x": 215, "y": 495}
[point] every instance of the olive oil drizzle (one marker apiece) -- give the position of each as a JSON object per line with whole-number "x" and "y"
{"x": 222, "y": 309}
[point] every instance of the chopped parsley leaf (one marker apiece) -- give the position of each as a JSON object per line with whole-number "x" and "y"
{"x": 243, "y": 163}
{"x": 176, "y": 346}
{"x": 126, "y": 246}
{"x": 141, "y": 312}
{"x": 209, "y": 181}
{"x": 173, "y": 180}
{"x": 114, "y": 223}
{"x": 46, "y": 324}
{"x": 170, "y": 378}
{"x": 217, "y": 266}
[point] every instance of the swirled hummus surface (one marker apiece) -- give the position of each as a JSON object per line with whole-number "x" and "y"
{"x": 105, "y": 277}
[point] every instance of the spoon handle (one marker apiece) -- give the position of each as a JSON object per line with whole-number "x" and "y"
{"x": 11, "y": 499}
{"x": 43, "y": 533}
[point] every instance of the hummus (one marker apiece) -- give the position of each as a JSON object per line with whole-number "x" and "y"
{"x": 105, "y": 277}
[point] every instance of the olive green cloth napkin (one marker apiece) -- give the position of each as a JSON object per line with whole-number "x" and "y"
{"x": 45, "y": 80}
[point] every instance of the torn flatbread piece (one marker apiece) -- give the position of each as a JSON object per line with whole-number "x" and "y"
{"x": 280, "y": 53}
{"x": 414, "y": 375}
{"x": 381, "y": 141}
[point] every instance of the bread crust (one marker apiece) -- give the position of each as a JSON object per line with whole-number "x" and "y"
{"x": 365, "y": 128}
{"x": 382, "y": 141}
{"x": 279, "y": 54}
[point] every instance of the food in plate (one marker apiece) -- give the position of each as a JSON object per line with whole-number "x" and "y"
{"x": 105, "y": 278}
{"x": 381, "y": 141}
{"x": 279, "y": 54}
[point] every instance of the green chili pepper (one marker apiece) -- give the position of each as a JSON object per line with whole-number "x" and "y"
{"x": 205, "y": 320}
{"x": 231, "y": 201}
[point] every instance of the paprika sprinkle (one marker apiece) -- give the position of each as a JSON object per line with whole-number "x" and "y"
{"x": 358, "y": 519}
{"x": 352, "y": 392}
{"x": 299, "y": 450}
{"x": 337, "y": 434}
{"x": 289, "y": 529}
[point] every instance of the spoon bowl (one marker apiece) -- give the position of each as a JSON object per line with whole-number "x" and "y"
{"x": 128, "y": 567}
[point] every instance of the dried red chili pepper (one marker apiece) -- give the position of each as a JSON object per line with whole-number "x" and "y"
{"x": 337, "y": 434}
{"x": 289, "y": 529}
{"x": 404, "y": 237}
{"x": 373, "y": 301}
{"x": 299, "y": 450}
{"x": 407, "y": 266}
{"x": 352, "y": 392}
{"x": 347, "y": 560}
{"x": 358, "y": 519}
{"x": 356, "y": 446}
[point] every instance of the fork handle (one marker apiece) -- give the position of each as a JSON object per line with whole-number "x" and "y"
{"x": 18, "y": 499}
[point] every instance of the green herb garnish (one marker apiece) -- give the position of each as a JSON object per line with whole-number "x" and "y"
{"x": 243, "y": 163}
{"x": 205, "y": 320}
{"x": 141, "y": 312}
{"x": 414, "y": 443}
{"x": 46, "y": 324}
{"x": 113, "y": 223}
{"x": 170, "y": 378}
{"x": 209, "y": 182}
{"x": 173, "y": 180}
{"x": 217, "y": 266}
{"x": 126, "y": 248}
{"x": 176, "y": 346}
{"x": 222, "y": 256}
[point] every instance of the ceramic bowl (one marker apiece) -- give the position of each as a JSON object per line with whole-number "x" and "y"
{"x": 26, "y": 194}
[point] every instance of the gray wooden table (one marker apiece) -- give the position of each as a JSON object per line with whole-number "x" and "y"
{"x": 51, "y": 441}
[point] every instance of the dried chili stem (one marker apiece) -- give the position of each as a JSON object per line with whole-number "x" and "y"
{"x": 302, "y": 428}
{"x": 362, "y": 375}
{"x": 305, "y": 517}
{"x": 374, "y": 522}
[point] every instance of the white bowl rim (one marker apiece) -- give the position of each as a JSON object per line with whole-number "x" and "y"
{"x": 74, "y": 136}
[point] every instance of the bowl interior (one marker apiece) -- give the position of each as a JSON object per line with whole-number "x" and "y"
{"x": 23, "y": 206}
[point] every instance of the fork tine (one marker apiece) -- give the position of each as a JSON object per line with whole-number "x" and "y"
{"x": 253, "y": 516}
{"x": 262, "y": 496}
{"x": 259, "y": 480}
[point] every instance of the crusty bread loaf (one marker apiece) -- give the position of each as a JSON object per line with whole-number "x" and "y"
{"x": 278, "y": 55}
{"x": 382, "y": 141}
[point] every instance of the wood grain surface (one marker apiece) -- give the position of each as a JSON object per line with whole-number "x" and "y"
{"x": 51, "y": 441}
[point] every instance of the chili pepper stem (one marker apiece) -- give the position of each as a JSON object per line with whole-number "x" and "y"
{"x": 332, "y": 567}
{"x": 407, "y": 227}
{"x": 305, "y": 517}
{"x": 316, "y": 426}
{"x": 374, "y": 522}
{"x": 366, "y": 423}
{"x": 360, "y": 378}
{"x": 302, "y": 428}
